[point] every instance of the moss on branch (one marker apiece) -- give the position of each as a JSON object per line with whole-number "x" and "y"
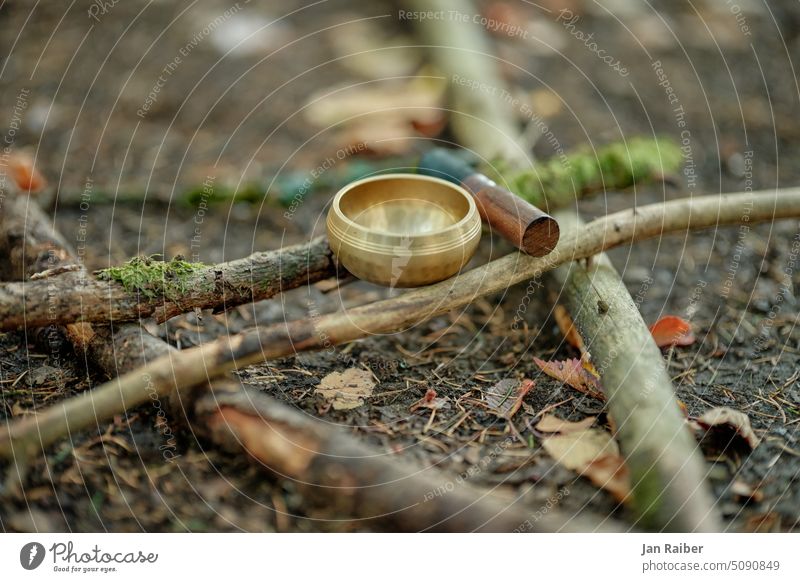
{"x": 559, "y": 180}
{"x": 154, "y": 278}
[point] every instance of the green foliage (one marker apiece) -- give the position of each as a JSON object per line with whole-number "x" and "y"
{"x": 560, "y": 180}
{"x": 154, "y": 278}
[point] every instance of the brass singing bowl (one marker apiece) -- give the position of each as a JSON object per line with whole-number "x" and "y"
{"x": 403, "y": 230}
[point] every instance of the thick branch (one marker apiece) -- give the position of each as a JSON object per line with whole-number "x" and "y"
{"x": 73, "y": 297}
{"x": 30, "y": 245}
{"x": 193, "y": 367}
{"x": 667, "y": 471}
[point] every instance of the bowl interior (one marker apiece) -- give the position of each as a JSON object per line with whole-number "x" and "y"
{"x": 404, "y": 206}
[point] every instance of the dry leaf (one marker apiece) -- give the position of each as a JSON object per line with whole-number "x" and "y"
{"x": 574, "y": 373}
{"x": 346, "y": 389}
{"x": 365, "y": 49}
{"x": 416, "y": 99}
{"x": 430, "y": 400}
{"x": 593, "y": 454}
{"x": 551, "y": 423}
{"x": 611, "y": 473}
{"x": 505, "y": 397}
{"x": 567, "y": 327}
{"x": 385, "y": 116}
{"x": 728, "y": 428}
{"x": 577, "y": 449}
{"x": 672, "y": 331}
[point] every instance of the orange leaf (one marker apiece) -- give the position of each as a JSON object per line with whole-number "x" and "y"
{"x": 25, "y": 175}
{"x": 672, "y": 331}
{"x": 565, "y": 324}
{"x": 575, "y": 374}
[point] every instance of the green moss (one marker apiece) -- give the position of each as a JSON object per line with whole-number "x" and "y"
{"x": 218, "y": 194}
{"x": 558, "y": 181}
{"x": 154, "y": 278}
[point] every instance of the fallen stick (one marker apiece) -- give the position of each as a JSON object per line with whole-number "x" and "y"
{"x": 63, "y": 296}
{"x": 479, "y": 116}
{"x": 328, "y": 465}
{"x": 31, "y": 246}
{"x": 73, "y": 297}
{"x": 667, "y": 472}
{"x": 352, "y": 479}
{"x": 194, "y": 366}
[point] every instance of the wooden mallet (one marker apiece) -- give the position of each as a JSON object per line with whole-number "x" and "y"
{"x": 519, "y": 222}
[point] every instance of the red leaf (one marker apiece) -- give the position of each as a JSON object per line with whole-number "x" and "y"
{"x": 25, "y": 175}
{"x": 672, "y": 331}
{"x": 567, "y": 327}
{"x": 430, "y": 400}
{"x": 575, "y": 374}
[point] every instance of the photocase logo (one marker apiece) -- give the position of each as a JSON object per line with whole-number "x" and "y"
{"x": 31, "y": 555}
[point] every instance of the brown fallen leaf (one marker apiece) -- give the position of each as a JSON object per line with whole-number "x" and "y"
{"x": 365, "y": 48}
{"x": 383, "y": 115}
{"x": 348, "y": 389}
{"x": 671, "y": 330}
{"x": 593, "y": 454}
{"x": 727, "y": 428}
{"x": 574, "y": 372}
{"x": 551, "y": 423}
{"x": 610, "y": 473}
{"x": 577, "y": 449}
{"x": 567, "y": 327}
{"x": 505, "y": 397}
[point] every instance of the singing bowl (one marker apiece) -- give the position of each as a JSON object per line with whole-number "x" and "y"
{"x": 403, "y": 230}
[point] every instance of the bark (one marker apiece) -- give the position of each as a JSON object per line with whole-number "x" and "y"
{"x": 350, "y": 478}
{"x": 195, "y": 366}
{"x": 72, "y": 296}
{"x": 31, "y": 246}
{"x": 669, "y": 491}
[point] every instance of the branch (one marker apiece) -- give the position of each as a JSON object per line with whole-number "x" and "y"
{"x": 160, "y": 289}
{"x": 667, "y": 472}
{"x": 194, "y": 366}
{"x": 481, "y": 117}
{"x": 325, "y": 463}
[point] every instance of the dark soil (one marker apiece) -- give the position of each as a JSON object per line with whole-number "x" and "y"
{"x": 85, "y": 80}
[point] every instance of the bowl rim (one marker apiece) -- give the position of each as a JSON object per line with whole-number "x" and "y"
{"x": 472, "y": 208}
